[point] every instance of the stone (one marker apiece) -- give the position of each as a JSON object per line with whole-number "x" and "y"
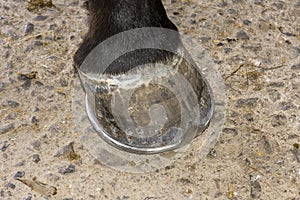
{"x": 242, "y": 35}
{"x": 67, "y": 170}
{"x": 231, "y": 131}
{"x": 4, "y": 146}
{"x": 40, "y": 18}
{"x": 36, "y": 158}
{"x": 251, "y": 102}
{"x": 36, "y": 145}
{"x": 255, "y": 190}
{"x": 274, "y": 95}
{"x": 6, "y": 128}
{"x": 296, "y": 67}
{"x": 34, "y": 120}
{"x": 246, "y": 22}
{"x": 278, "y": 120}
{"x": 11, "y": 103}
{"x": 286, "y": 105}
{"x": 10, "y": 185}
{"x": 19, "y": 174}
{"x": 29, "y": 28}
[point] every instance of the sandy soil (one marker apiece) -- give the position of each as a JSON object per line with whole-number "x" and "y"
{"x": 256, "y": 46}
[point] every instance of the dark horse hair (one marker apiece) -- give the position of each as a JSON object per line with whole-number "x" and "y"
{"x": 110, "y": 17}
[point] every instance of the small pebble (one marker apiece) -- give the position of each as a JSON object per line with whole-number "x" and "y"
{"x": 52, "y": 27}
{"x": 26, "y": 85}
{"x": 184, "y": 181}
{"x": 4, "y": 146}
{"x": 232, "y": 11}
{"x": 246, "y": 22}
{"x": 218, "y": 194}
{"x": 251, "y": 102}
{"x": 8, "y": 65}
{"x": 12, "y": 34}
{"x": 242, "y": 35}
{"x": 63, "y": 82}
{"x": 28, "y": 48}
{"x": 223, "y": 4}
{"x": 293, "y": 136}
{"x": 259, "y": 2}
{"x": 286, "y": 105}
{"x": 10, "y": 116}
{"x": 37, "y": 43}
{"x": 296, "y": 67}
{"x": 212, "y": 153}
{"x": 231, "y": 131}
{"x": 266, "y": 144}
{"x": 28, "y": 28}
{"x": 28, "y": 197}
{"x": 204, "y": 39}
{"x": 256, "y": 188}
{"x": 295, "y": 52}
{"x": 278, "y": 120}
{"x": 11, "y": 103}
{"x": 19, "y": 174}
{"x": 6, "y": 128}
{"x": 247, "y": 161}
{"x": 36, "y": 145}
{"x": 10, "y": 185}
{"x": 6, "y": 54}
{"x": 54, "y": 129}
{"x": 192, "y": 21}
{"x": 34, "y": 120}
{"x": 36, "y": 158}
{"x": 69, "y": 169}
{"x": 40, "y": 18}
{"x": 249, "y": 117}
{"x": 280, "y": 161}
{"x": 278, "y": 5}
{"x": 227, "y": 50}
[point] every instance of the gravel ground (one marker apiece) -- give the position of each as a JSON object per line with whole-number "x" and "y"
{"x": 256, "y": 46}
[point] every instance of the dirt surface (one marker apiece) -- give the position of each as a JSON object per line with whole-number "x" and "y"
{"x": 256, "y": 46}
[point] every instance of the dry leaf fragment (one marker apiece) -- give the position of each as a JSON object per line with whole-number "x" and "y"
{"x": 68, "y": 152}
{"x": 37, "y": 186}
